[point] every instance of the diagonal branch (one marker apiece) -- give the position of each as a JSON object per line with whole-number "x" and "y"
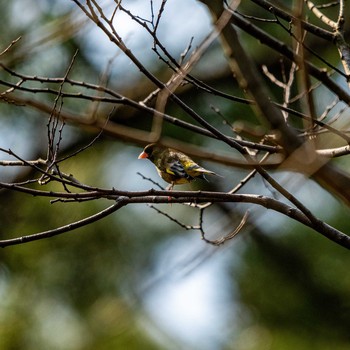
{"x": 66, "y": 228}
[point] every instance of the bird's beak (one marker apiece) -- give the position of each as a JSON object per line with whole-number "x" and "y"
{"x": 142, "y": 155}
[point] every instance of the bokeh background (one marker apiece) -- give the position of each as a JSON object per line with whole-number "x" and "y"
{"x": 136, "y": 280}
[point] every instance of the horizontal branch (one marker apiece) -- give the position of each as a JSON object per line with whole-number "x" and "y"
{"x": 21, "y": 163}
{"x": 152, "y": 196}
{"x": 334, "y": 152}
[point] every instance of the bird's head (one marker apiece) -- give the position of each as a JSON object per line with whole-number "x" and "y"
{"x": 149, "y": 152}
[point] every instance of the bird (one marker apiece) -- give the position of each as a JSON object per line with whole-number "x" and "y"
{"x": 174, "y": 166}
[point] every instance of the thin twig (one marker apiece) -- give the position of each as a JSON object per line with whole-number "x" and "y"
{"x": 8, "y": 48}
{"x": 151, "y": 180}
{"x": 230, "y": 235}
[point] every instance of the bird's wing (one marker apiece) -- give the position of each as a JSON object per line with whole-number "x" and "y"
{"x": 176, "y": 168}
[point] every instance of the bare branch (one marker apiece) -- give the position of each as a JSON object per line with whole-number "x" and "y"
{"x": 320, "y": 15}
{"x": 8, "y": 48}
{"x": 162, "y": 197}
{"x": 230, "y": 235}
{"x": 320, "y": 32}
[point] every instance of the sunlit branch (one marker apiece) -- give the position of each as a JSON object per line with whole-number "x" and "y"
{"x": 338, "y": 29}
{"x": 22, "y": 163}
{"x": 320, "y": 15}
{"x": 230, "y": 235}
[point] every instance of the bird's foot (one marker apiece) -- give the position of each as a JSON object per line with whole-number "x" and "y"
{"x": 170, "y": 188}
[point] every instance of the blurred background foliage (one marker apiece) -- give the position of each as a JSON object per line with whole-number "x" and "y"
{"x": 135, "y": 279}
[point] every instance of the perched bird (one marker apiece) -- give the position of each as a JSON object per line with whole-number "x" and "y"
{"x": 173, "y": 166}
